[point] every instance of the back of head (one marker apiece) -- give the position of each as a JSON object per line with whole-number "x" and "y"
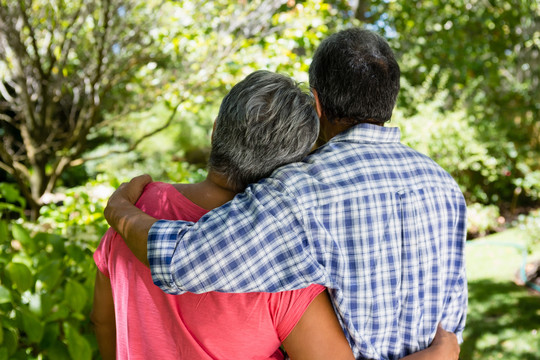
{"x": 356, "y": 77}
{"x": 265, "y": 121}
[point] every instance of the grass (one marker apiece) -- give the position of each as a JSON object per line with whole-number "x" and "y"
{"x": 503, "y": 321}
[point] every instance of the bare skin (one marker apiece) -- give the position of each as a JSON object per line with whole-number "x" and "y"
{"x": 103, "y": 317}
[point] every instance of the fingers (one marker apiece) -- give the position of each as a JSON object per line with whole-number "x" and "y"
{"x": 141, "y": 180}
{"x": 132, "y": 190}
{"x": 447, "y": 341}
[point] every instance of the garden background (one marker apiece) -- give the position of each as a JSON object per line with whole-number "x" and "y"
{"x": 93, "y": 92}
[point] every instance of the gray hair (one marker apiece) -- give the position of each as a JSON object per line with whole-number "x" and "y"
{"x": 264, "y": 122}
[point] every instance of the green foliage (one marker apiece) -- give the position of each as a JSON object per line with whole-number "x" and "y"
{"x": 481, "y": 57}
{"x": 448, "y": 138}
{"x": 482, "y": 219}
{"x": 46, "y": 280}
{"x": 531, "y": 224}
{"x": 210, "y": 48}
{"x": 11, "y": 201}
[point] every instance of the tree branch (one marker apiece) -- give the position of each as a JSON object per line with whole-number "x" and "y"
{"x": 37, "y": 60}
{"x": 5, "y": 94}
{"x": 133, "y": 146}
{"x": 18, "y": 172}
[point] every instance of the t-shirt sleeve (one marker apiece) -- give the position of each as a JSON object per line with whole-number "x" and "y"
{"x": 288, "y": 307}
{"x": 101, "y": 255}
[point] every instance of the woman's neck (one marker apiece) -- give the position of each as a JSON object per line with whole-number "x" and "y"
{"x": 213, "y": 192}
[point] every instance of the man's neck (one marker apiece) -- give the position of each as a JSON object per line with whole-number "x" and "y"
{"x": 329, "y": 129}
{"x": 213, "y": 192}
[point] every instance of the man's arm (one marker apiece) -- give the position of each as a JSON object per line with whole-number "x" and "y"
{"x": 103, "y": 318}
{"x": 256, "y": 242}
{"x": 129, "y": 221}
{"x": 443, "y": 347}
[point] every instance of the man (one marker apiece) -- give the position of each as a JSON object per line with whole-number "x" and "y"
{"x": 379, "y": 224}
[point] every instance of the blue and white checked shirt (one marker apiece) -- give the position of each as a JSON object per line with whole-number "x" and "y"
{"x": 379, "y": 224}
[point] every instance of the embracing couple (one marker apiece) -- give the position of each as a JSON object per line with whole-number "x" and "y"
{"x": 316, "y": 232}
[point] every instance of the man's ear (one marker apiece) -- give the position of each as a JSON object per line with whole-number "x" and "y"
{"x": 318, "y": 107}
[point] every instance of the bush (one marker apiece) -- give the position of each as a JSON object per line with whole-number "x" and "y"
{"x": 47, "y": 278}
{"x": 531, "y": 224}
{"x": 450, "y": 140}
{"x": 482, "y": 219}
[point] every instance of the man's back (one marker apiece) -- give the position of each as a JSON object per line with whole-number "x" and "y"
{"x": 380, "y": 225}
{"x": 387, "y": 227}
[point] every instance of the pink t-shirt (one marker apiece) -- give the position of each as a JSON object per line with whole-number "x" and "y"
{"x": 153, "y": 325}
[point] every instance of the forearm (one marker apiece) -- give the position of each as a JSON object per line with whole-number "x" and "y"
{"x": 443, "y": 347}
{"x": 129, "y": 221}
{"x": 426, "y": 354}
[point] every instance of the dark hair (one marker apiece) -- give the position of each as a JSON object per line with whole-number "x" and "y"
{"x": 264, "y": 122}
{"x": 356, "y": 77}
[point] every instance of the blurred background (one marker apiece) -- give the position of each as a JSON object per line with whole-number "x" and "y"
{"x": 93, "y": 92}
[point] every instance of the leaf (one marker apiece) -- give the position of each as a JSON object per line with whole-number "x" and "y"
{"x": 11, "y": 339}
{"x": 78, "y": 346}
{"x": 20, "y": 275}
{"x": 75, "y": 253}
{"x": 20, "y": 234}
{"x": 50, "y": 274}
{"x": 58, "y": 351}
{"x": 51, "y": 335}
{"x": 58, "y": 313}
{"x": 3, "y": 353}
{"x": 57, "y": 243}
{"x": 75, "y": 296}
{"x": 3, "y": 231}
{"x": 32, "y": 327}
{"x": 11, "y": 193}
{"x": 5, "y": 295}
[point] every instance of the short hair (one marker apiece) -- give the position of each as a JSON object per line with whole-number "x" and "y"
{"x": 264, "y": 122}
{"x": 356, "y": 77}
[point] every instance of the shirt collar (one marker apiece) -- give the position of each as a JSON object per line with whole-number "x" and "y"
{"x": 368, "y": 133}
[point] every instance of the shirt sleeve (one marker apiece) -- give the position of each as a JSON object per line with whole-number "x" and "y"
{"x": 255, "y": 243}
{"x": 101, "y": 255}
{"x": 290, "y": 306}
{"x": 455, "y": 311}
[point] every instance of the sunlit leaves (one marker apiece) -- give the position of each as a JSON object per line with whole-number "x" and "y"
{"x": 78, "y": 346}
{"x": 20, "y": 276}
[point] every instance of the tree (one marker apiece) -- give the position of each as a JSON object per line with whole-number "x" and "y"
{"x": 484, "y": 56}
{"x": 63, "y": 66}
{"x": 71, "y": 71}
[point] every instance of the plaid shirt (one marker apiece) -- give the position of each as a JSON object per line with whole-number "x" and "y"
{"x": 379, "y": 224}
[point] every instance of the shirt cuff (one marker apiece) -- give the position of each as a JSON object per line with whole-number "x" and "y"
{"x": 162, "y": 240}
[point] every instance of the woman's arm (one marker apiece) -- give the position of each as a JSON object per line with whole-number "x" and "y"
{"x": 318, "y": 336}
{"x": 103, "y": 318}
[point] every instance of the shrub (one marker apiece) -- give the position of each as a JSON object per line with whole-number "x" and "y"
{"x": 47, "y": 278}
{"x": 531, "y": 224}
{"x": 482, "y": 219}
